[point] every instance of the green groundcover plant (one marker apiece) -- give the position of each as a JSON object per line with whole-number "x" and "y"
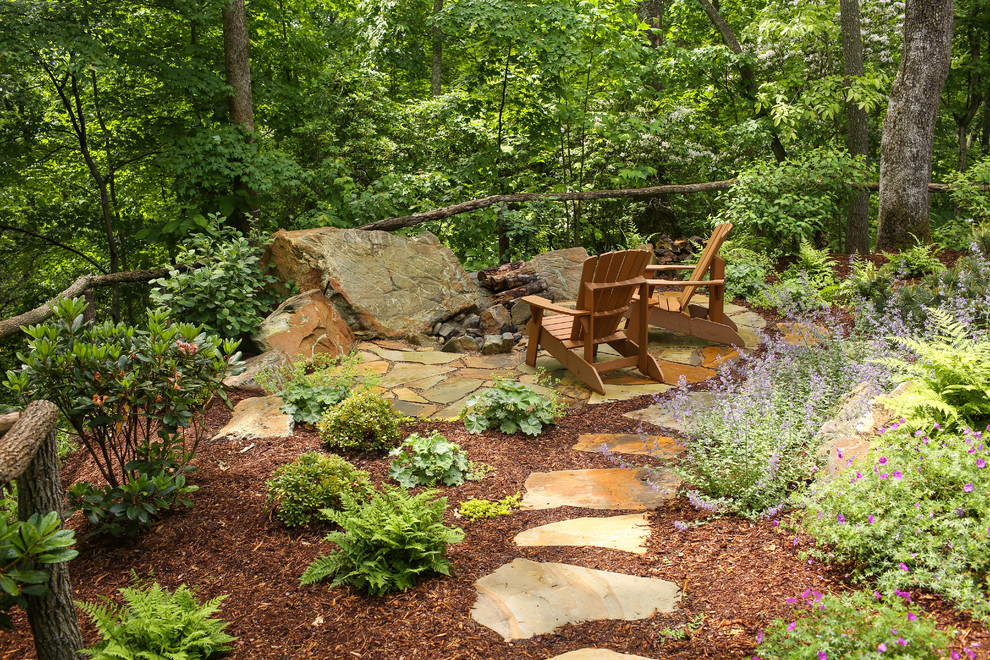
{"x": 299, "y": 490}
{"x": 424, "y": 461}
{"x": 363, "y": 421}
{"x": 473, "y": 509}
{"x": 309, "y": 387}
{"x": 913, "y": 513}
{"x": 511, "y": 407}
{"x": 156, "y": 624}
{"x": 856, "y": 625}
{"x": 386, "y": 544}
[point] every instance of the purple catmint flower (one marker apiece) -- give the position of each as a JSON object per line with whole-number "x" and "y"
{"x": 842, "y": 519}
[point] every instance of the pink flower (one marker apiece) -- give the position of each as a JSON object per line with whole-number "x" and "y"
{"x": 980, "y": 463}
{"x": 792, "y": 626}
{"x": 896, "y": 475}
{"x": 883, "y": 460}
{"x": 882, "y": 647}
{"x": 822, "y": 656}
{"x": 904, "y": 566}
{"x": 968, "y": 488}
{"x": 912, "y": 616}
{"x": 870, "y": 517}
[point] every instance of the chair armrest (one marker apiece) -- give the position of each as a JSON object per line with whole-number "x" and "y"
{"x": 683, "y": 283}
{"x": 543, "y": 303}
{"x": 591, "y": 286}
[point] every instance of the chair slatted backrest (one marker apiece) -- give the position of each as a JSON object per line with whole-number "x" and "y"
{"x": 705, "y": 262}
{"x": 626, "y": 269}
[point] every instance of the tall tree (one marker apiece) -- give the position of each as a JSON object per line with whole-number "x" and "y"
{"x": 909, "y": 128}
{"x": 237, "y": 67}
{"x": 437, "y": 65}
{"x": 857, "y": 138}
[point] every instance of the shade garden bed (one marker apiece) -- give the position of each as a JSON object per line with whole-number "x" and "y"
{"x": 735, "y": 575}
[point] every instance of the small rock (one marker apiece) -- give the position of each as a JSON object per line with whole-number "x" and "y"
{"x": 252, "y": 366}
{"x": 421, "y": 340}
{"x": 462, "y": 344}
{"x": 472, "y": 321}
{"x": 521, "y": 314}
{"x": 448, "y": 330}
{"x": 496, "y": 320}
{"x": 517, "y": 336}
{"x": 436, "y": 328}
{"x": 257, "y": 418}
{"x": 493, "y": 344}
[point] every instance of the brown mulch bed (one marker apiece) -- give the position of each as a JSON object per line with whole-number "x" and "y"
{"x": 735, "y": 574}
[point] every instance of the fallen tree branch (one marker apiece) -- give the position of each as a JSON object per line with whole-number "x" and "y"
{"x": 391, "y": 224}
{"x": 77, "y": 288}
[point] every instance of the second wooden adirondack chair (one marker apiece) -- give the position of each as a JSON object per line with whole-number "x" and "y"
{"x": 674, "y": 311}
{"x": 608, "y": 288}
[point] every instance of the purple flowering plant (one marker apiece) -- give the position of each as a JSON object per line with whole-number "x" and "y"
{"x": 930, "y": 528}
{"x": 853, "y": 625}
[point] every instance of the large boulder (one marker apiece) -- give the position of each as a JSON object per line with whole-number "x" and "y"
{"x": 561, "y": 269}
{"x": 305, "y": 325}
{"x": 381, "y": 283}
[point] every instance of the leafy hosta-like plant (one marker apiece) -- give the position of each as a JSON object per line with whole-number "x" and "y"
{"x": 309, "y": 387}
{"x": 298, "y": 491}
{"x": 156, "y": 624}
{"x": 949, "y": 376}
{"x": 914, "y": 513}
{"x": 855, "y": 625}
{"x": 386, "y": 544}
{"x": 424, "y": 461}
{"x": 511, "y": 407}
{"x": 25, "y": 548}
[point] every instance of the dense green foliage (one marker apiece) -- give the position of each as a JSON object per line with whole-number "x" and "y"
{"x": 156, "y": 624}
{"x": 25, "y": 548}
{"x": 136, "y": 397}
{"x": 363, "y": 421}
{"x": 387, "y": 544}
{"x": 424, "y": 461}
{"x": 511, "y": 407}
{"x": 474, "y": 508}
{"x": 913, "y": 513}
{"x": 299, "y": 490}
{"x": 309, "y": 387}
{"x": 854, "y": 625}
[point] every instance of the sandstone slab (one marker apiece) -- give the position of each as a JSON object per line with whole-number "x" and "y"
{"x": 526, "y": 598}
{"x": 628, "y": 533}
{"x": 505, "y": 361}
{"x": 615, "y": 392}
{"x": 628, "y": 443}
{"x": 252, "y": 367}
{"x": 748, "y": 319}
{"x": 663, "y": 416}
{"x": 674, "y": 372}
{"x": 417, "y": 357}
{"x": 682, "y": 355}
{"x": 380, "y": 282}
{"x": 597, "y": 654}
{"x": 257, "y": 418}
{"x": 303, "y": 326}
{"x": 413, "y": 409}
{"x": 451, "y": 390}
{"x": 404, "y": 374}
{"x": 614, "y": 489}
{"x": 715, "y": 357}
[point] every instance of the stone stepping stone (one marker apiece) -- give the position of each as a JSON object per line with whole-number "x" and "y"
{"x": 406, "y": 394}
{"x": 404, "y": 374}
{"x": 714, "y": 357}
{"x": 627, "y": 533}
{"x": 452, "y": 389}
{"x": 526, "y": 598}
{"x": 623, "y": 392}
{"x": 748, "y": 319}
{"x": 614, "y": 489}
{"x": 426, "y": 383}
{"x": 257, "y": 418}
{"x": 412, "y": 409}
{"x": 661, "y": 416}
{"x": 417, "y": 357}
{"x": 673, "y": 371}
{"x": 597, "y": 654}
{"x": 500, "y": 361}
{"x": 628, "y": 443}
{"x": 688, "y": 355}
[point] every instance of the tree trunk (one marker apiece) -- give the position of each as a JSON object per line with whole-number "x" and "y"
{"x": 237, "y": 68}
{"x": 435, "y": 73}
{"x": 39, "y": 490}
{"x": 909, "y": 128}
{"x": 857, "y": 218}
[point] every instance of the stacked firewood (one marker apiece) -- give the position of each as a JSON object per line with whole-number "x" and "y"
{"x": 510, "y": 282}
{"x": 673, "y": 251}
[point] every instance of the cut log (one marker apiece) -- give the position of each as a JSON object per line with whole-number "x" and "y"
{"x": 509, "y": 280}
{"x": 486, "y": 274}
{"x": 537, "y": 286}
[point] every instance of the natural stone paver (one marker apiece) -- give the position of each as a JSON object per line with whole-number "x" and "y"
{"x": 750, "y": 338}
{"x": 484, "y": 374}
{"x": 748, "y": 319}
{"x": 615, "y": 392}
{"x": 660, "y": 415}
{"x": 627, "y": 533}
{"x": 681, "y": 355}
{"x": 526, "y": 598}
{"x": 426, "y": 383}
{"x": 406, "y": 394}
{"x": 661, "y": 337}
{"x": 452, "y": 389}
{"x": 412, "y": 409}
{"x": 628, "y": 443}
{"x": 257, "y": 418}
{"x": 504, "y": 361}
{"x": 673, "y": 372}
{"x": 368, "y": 356}
{"x": 420, "y": 357}
{"x": 615, "y": 489}
{"x": 714, "y": 357}
{"x": 453, "y": 410}
{"x": 402, "y": 374}
{"x": 597, "y": 654}
{"x": 369, "y": 368}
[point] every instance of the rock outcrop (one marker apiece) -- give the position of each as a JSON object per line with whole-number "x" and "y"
{"x": 561, "y": 269}
{"x": 305, "y": 325}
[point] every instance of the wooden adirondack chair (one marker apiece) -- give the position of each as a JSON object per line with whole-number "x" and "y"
{"x": 608, "y": 284}
{"x": 673, "y": 309}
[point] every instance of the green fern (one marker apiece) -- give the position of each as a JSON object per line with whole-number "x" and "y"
{"x": 950, "y": 377}
{"x": 386, "y": 544}
{"x": 155, "y": 624}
